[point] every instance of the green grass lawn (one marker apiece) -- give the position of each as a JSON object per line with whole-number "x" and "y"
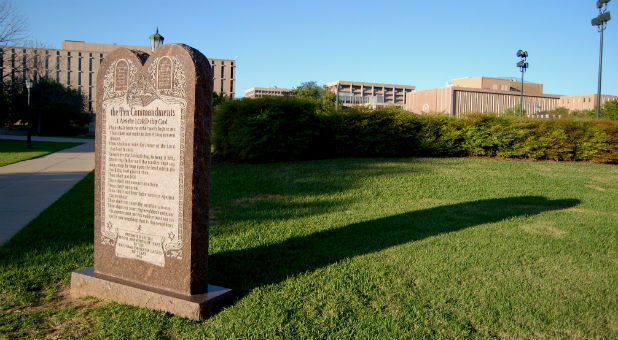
{"x": 13, "y": 151}
{"x": 358, "y": 249}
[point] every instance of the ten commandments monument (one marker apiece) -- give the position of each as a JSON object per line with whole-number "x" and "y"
{"x": 152, "y": 183}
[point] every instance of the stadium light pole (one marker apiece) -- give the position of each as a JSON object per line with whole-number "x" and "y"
{"x": 523, "y": 65}
{"x": 601, "y": 22}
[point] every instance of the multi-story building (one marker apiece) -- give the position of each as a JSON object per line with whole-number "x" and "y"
{"x": 481, "y": 95}
{"x": 584, "y": 101}
{"x": 350, "y": 93}
{"x": 486, "y": 94}
{"x": 458, "y": 101}
{"x": 259, "y": 92}
{"x": 77, "y": 63}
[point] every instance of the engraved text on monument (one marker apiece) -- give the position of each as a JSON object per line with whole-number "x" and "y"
{"x": 143, "y": 160}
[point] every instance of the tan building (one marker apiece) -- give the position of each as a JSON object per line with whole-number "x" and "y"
{"x": 497, "y": 84}
{"x": 458, "y": 101}
{"x": 259, "y": 92}
{"x": 485, "y": 94}
{"x": 350, "y": 93}
{"x": 584, "y": 101}
{"x": 77, "y": 63}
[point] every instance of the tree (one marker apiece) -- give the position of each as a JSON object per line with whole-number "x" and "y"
{"x": 61, "y": 109}
{"x": 219, "y": 99}
{"x": 12, "y": 24}
{"x": 610, "y": 110}
{"x": 12, "y": 92}
{"x": 513, "y": 112}
{"x": 323, "y": 97}
{"x": 309, "y": 90}
{"x": 13, "y": 102}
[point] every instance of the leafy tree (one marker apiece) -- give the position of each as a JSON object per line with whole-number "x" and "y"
{"x": 13, "y": 102}
{"x": 61, "y": 109}
{"x": 309, "y": 90}
{"x": 560, "y": 111}
{"x": 583, "y": 113}
{"x": 319, "y": 94}
{"x": 513, "y": 112}
{"x": 219, "y": 99}
{"x": 610, "y": 110}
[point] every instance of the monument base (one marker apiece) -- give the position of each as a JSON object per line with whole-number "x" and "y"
{"x": 196, "y": 307}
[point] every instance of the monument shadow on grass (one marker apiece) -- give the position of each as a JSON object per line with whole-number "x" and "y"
{"x": 246, "y": 269}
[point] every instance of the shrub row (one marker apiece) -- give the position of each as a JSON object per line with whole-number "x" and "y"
{"x": 281, "y": 129}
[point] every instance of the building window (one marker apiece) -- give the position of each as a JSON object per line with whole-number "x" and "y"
{"x": 100, "y": 58}
{"x": 232, "y": 72}
{"x": 231, "y": 86}
{"x": 58, "y": 66}
{"x": 36, "y": 61}
{"x": 79, "y": 62}
{"x": 221, "y": 86}
{"x": 222, "y": 73}
{"x": 23, "y": 65}
{"x": 12, "y": 64}
{"x": 90, "y": 65}
{"x": 90, "y": 79}
{"x": 69, "y": 69}
{"x": 47, "y": 63}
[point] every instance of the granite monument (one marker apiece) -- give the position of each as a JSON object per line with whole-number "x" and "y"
{"x": 152, "y": 172}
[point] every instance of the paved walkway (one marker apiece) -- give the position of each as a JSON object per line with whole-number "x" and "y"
{"x": 29, "y": 187}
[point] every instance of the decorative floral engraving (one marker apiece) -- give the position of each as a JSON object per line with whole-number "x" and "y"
{"x": 142, "y": 93}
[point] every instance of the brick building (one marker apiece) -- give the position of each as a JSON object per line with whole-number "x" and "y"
{"x": 77, "y": 63}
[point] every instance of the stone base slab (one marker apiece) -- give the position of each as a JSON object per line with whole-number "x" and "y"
{"x": 196, "y": 307}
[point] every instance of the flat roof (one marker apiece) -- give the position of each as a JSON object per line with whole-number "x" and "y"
{"x": 270, "y": 89}
{"x": 498, "y": 78}
{"x": 476, "y": 89}
{"x": 359, "y": 83}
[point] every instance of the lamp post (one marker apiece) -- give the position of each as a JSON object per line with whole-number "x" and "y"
{"x": 601, "y": 22}
{"x": 156, "y": 40}
{"x": 29, "y": 140}
{"x": 523, "y": 65}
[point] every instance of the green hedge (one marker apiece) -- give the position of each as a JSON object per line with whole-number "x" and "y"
{"x": 281, "y": 129}
{"x": 267, "y": 129}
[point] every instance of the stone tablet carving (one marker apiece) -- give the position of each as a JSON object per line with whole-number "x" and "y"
{"x": 152, "y": 168}
{"x": 143, "y": 179}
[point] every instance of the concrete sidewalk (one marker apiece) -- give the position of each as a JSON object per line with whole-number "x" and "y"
{"x": 29, "y": 187}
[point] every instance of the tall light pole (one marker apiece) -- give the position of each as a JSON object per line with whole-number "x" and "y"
{"x": 601, "y": 22}
{"x": 523, "y": 65}
{"x": 29, "y": 140}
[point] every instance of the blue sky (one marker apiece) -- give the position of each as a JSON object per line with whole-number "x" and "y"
{"x": 421, "y": 43}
